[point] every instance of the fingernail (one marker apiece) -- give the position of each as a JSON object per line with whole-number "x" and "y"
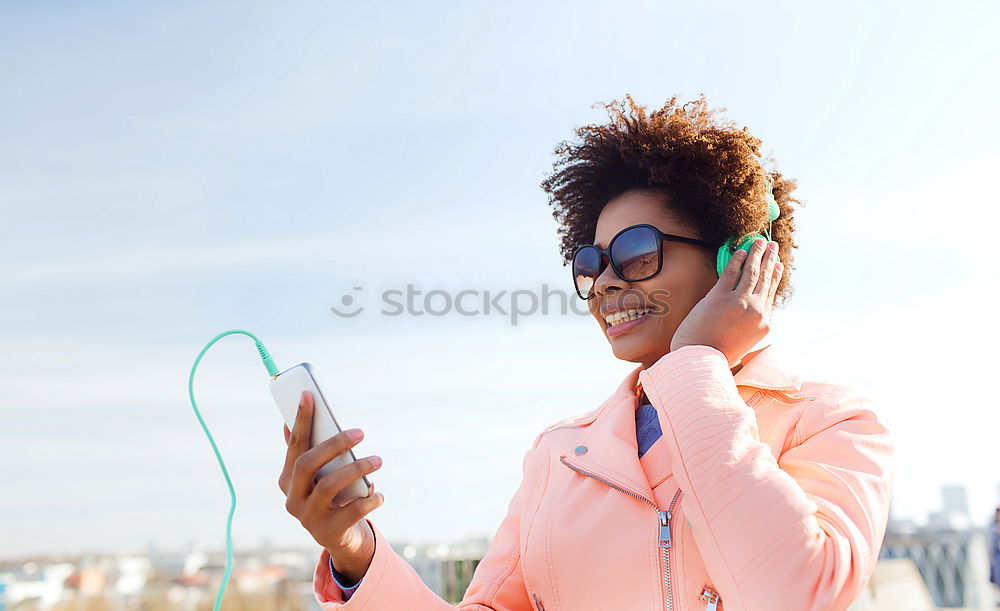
{"x": 354, "y": 434}
{"x": 375, "y": 460}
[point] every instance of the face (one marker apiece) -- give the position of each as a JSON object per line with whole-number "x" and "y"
{"x": 688, "y": 273}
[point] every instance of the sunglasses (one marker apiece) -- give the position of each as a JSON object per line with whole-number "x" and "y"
{"x": 635, "y": 254}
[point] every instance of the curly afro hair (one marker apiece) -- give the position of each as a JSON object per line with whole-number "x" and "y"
{"x": 711, "y": 171}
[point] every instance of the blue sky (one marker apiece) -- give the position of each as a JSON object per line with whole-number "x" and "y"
{"x": 171, "y": 171}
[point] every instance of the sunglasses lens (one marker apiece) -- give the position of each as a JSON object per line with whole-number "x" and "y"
{"x": 636, "y": 253}
{"x": 586, "y": 269}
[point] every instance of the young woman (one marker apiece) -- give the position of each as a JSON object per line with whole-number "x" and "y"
{"x": 715, "y": 476}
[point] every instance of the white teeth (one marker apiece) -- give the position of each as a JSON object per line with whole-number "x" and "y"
{"x": 619, "y": 317}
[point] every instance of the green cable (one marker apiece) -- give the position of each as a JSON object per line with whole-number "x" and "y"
{"x": 272, "y": 370}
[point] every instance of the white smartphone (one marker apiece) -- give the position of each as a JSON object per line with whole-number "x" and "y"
{"x": 287, "y": 388}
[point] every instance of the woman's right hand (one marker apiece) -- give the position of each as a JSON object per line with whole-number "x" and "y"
{"x": 343, "y": 531}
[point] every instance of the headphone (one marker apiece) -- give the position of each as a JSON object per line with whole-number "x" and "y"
{"x": 727, "y": 250}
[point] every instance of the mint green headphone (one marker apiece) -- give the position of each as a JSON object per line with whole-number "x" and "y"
{"x": 727, "y": 250}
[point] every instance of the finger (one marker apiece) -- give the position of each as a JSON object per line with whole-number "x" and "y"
{"x": 298, "y": 445}
{"x": 779, "y": 269}
{"x": 731, "y": 272}
{"x": 332, "y": 484}
{"x": 308, "y": 464}
{"x": 356, "y": 510}
{"x": 751, "y": 270}
{"x": 770, "y": 257}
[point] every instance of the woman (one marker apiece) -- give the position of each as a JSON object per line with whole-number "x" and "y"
{"x": 714, "y": 477}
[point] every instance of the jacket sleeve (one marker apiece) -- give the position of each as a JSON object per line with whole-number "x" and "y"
{"x": 804, "y": 529}
{"x": 392, "y": 584}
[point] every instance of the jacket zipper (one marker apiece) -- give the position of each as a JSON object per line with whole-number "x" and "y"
{"x": 710, "y": 596}
{"x": 664, "y": 521}
{"x": 665, "y": 545}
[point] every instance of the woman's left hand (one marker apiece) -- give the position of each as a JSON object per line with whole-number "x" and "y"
{"x": 733, "y": 316}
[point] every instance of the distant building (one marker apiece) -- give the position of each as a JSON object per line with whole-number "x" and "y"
{"x": 956, "y": 500}
{"x": 33, "y": 581}
{"x": 950, "y": 551}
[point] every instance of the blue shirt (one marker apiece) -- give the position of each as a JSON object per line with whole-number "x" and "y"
{"x": 341, "y": 580}
{"x": 647, "y": 427}
{"x": 647, "y": 431}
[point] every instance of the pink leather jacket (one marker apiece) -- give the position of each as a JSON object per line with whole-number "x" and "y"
{"x": 766, "y": 491}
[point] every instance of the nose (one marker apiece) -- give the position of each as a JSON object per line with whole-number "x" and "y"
{"x": 607, "y": 280}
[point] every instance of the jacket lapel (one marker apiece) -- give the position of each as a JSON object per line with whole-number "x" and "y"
{"x": 608, "y": 447}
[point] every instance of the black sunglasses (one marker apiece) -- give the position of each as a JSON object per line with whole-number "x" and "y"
{"x": 635, "y": 254}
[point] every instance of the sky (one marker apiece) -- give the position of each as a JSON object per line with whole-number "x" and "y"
{"x": 170, "y": 171}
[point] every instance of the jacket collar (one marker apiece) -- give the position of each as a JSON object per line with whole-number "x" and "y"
{"x": 762, "y": 368}
{"x": 766, "y": 368}
{"x": 610, "y": 443}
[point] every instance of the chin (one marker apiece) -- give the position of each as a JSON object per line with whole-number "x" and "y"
{"x": 634, "y": 348}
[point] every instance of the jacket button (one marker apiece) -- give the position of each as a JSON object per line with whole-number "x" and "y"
{"x": 580, "y": 450}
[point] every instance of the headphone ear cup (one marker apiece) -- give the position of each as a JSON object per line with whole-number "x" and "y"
{"x": 725, "y": 254}
{"x": 726, "y": 251}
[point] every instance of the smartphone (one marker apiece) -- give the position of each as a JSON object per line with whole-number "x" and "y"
{"x": 287, "y": 388}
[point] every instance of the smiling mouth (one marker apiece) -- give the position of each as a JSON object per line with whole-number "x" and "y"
{"x": 625, "y": 316}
